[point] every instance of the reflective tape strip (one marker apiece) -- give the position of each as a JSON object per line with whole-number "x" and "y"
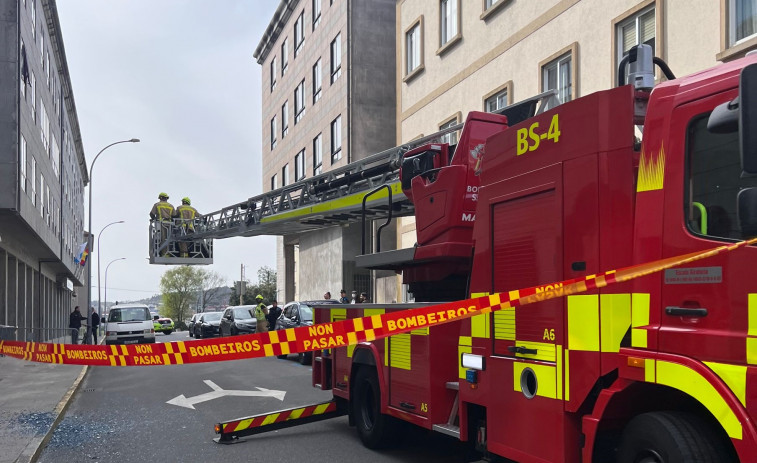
{"x": 464, "y": 346}
{"x": 480, "y": 326}
{"x": 546, "y": 378}
{"x": 734, "y": 376}
{"x": 752, "y": 304}
{"x": 566, "y": 393}
{"x": 751, "y": 351}
{"x": 639, "y": 318}
{"x": 270, "y": 419}
{"x": 615, "y": 319}
{"x": 321, "y": 409}
{"x": 650, "y": 371}
{"x": 583, "y": 323}
{"x": 295, "y": 414}
{"x": 558, "y": 358}
{"x": 692, "y": 383}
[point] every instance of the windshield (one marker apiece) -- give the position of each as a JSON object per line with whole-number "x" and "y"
{"x": 213, "y": 316}
{"x": 715, "y": 183}
{"x": 306, "y": 312}
{"x": 135, "y": 314}
{"x": 242, "y": 313}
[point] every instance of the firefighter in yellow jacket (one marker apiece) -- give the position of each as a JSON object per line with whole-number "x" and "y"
{"x": 186, "y": 215}
{"x": 163, "y": 212}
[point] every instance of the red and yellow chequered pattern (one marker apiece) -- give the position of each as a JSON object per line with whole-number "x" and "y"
{"x": 277, "y": 417}
{"x": 335, "y": 334}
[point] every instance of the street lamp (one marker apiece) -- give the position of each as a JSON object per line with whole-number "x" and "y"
{"x": 89, "y": 230}
{"x": 99, "y": 298}
{"x": 106, "y": 279}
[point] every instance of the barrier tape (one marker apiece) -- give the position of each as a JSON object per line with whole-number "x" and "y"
{"x": 335, "y": 334}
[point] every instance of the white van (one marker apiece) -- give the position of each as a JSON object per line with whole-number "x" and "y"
{"x": 129, "y": 324}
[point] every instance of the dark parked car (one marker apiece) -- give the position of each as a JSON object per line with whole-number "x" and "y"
{"x": 207, "y": 325}
{"x": 191, "y": 324}
{"x": 238, "y": 319}
{"x": 296, "y": 314}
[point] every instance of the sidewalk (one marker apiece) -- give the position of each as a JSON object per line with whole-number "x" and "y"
{"x": 33, "y": 398}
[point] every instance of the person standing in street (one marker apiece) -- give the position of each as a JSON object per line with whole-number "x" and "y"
{"x": 261, "y": 312}
{"x": 74, "y": 322}
{"x": 94, "y": 324}
{"x": 273, "y": 314}
{"x": 187, "y": 215}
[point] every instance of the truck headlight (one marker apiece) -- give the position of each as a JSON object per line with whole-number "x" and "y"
{"x": 149, "y": 331}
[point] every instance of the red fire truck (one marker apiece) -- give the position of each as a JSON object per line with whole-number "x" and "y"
{"x": 658, "y": 369}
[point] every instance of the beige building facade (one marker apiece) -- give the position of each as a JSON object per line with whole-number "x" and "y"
{"x": 457, "y": 56}
{"x": 328, "y": 100}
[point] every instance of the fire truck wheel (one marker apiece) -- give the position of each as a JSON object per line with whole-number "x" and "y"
{"x": 305, "y": 358}
{"x": 670, "y": 437}
{"x": 375, "y": 429}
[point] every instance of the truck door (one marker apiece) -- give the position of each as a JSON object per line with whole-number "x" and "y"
{"x": 706, "y": 305}
{"x": 527, "y": 250}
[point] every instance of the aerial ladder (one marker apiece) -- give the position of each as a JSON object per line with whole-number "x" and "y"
{"x": 366, "y": 189}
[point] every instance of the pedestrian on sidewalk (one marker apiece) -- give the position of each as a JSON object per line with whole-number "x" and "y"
{"x": 74, "y": 322}
{"x": 94, "y": 324}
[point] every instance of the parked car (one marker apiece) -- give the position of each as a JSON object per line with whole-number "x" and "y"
{"x": 129, "y": 324}
{"x": 296, "y": 314}
{"x": 191, "y": 324}
{"x": 207, "y": 325}
{"x": 163, "y": 324}
{"x": 239, "y": 319}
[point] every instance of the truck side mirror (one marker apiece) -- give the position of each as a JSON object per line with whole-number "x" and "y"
{"x": 747, "y": 211}
{"x": 748, "y": 118}
{"x": 155, "y": 317}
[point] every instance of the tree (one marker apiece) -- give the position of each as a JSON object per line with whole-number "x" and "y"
{"x": 266, "y": 287}
{"x": 180, "y": 287}
{"x": 212, "y": 283}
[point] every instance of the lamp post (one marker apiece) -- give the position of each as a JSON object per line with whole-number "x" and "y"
{"x": 99, "y": 298}
{"x": 89, "y": 230}
{"x": 106, "y": 279}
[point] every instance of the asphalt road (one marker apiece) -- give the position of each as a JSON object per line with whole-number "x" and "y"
{"x": 124, "y": 414}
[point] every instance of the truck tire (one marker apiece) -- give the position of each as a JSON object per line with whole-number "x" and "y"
{"x": 670, "y": 437}
{"x": 167, "y": 332}
{"x": 375, "y": 429}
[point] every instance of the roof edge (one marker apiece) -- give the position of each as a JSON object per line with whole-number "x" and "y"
{"x": 271, "y": 34}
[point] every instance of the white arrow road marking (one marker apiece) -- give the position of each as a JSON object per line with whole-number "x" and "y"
{"x": 189, "y": 402}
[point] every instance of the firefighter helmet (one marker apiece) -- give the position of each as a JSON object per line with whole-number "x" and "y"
{"x": 186, "y": 201}
{"x": 163, "y": 196}
{"x": 259, "y": 297}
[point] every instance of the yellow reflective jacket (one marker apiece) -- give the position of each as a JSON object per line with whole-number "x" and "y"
{"x": 187, "y": 214}
{"x": 162, "y": 210}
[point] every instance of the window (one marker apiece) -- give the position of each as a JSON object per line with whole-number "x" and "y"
{"x": 449, "y": 20}
{"x": 316, "y": 13}
{"x": 55, "y": 156}
{"x": 496, "y": 101}
{"x": 413, "y": 49}
{"x": 299, "y": 33}
{"x": 490, "y": 3}
{"x": 274, "y": 182}
{"x": 285, "y": 175}
{"x": 638, "y": 29}
{"x": 24, "y": 70}
{"x": 273, "y": 73}
{"x": 742, "y": 18}
{"x": 451, "y": 137}
{"x": 42, "y": 49}
{"x": 336, "y": 58}
{"x": 47, "y": 70}
{"x": 317, "y": 79}
{"x": 336, "y": 139}
{"x": 299, "y": 102}
{"x": 273, "y": 132}
{"x": 22, "y": 163}
{"x": 44, "y": 126}
{"x": 33, "y": 180}
{"x": 34, "y": 96}
{"x": 34, "y": 19}
{"x": 299, "y": 165}
{"x": 715, "y": 184}
{"x": 42, "y": 195}
{"x": 284, "y": 119}
{"x": 556, "y": 75}
{"x": 317, "y": 154}
{"x": 284, "y": 55}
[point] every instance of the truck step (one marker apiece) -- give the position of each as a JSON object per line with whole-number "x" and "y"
{"x": 448, "y": 429}
{"x": 454, "y": 385}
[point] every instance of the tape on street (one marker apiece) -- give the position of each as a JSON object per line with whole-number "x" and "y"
{"x": 335, "y": 334}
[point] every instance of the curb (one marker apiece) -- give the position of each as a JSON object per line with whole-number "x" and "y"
{"x": 59, "y": 411}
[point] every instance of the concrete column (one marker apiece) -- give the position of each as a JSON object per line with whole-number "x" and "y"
{"x": 290, "y": 290}
{"x": 3, "y": 287}
{"x": 12, "y": 278}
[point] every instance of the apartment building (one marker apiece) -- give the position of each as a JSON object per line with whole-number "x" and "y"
{"x": 458, "y": 56}
{"x": 328, "y": 70}
{"x": 44, "y": 173}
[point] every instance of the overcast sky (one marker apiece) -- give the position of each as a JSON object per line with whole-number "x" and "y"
{"x": 180, "y": 76}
